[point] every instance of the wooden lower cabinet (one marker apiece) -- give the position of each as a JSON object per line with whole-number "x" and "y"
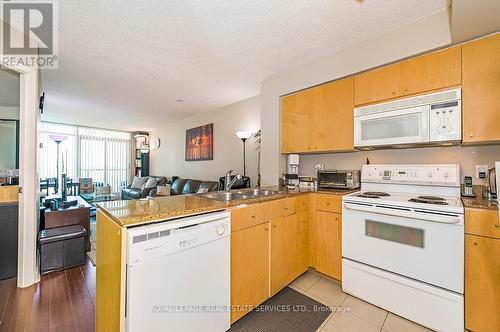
{"x": 482, "y": 283}
{"x": 329, "y": 243}
{"x": 284, "y": 243}
{"x": 249, "y": 269}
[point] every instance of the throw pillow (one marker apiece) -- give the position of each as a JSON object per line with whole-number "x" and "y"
{"x": 202, "y": 191}
{"x": 163, "y": 190}
{"x": 106, "y": 190}
{"x": 151, "y": 183}
{"x": 138, "y": 182}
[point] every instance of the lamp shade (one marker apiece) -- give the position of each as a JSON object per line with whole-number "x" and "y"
{"x": 58, "y": 138}
{"x": 244, "y": 134}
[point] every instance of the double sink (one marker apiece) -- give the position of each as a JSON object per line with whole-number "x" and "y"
{"x": 239, "y": 194}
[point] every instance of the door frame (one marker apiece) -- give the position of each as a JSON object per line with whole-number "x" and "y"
{"x": 29, "y": 116}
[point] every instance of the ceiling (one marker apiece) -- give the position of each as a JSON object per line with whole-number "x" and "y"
{"x": 124, "y": 63}
{"x": 9, "y": 89}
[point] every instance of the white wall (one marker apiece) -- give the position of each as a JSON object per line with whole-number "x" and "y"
{"x": 169, "y": 159}
{"x": 417, "y": 37}
{"x": 466, "y": 157}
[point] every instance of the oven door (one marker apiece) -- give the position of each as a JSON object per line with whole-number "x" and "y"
{"x": 405, "y": 126}
{"x": 422, "y": 245}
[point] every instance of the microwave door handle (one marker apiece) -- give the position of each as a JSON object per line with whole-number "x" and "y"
{"x": 411, "y": 214}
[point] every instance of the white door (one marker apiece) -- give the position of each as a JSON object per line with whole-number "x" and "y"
{"x": 392, "y": 127}
{"x": 429, "y": 251}
{"x": 187, "y": 290}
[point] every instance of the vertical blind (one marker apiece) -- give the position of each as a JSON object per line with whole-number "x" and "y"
{"x": 100, "y": 154}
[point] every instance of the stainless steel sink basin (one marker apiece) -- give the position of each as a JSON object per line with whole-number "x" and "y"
{"x": 227, "y": 196}
{"x": 258, "y": 192}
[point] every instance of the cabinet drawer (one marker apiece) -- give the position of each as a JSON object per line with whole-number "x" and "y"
{"x": 247, "y": 216}
{"x": 329, "y": 203}
{"x": 482, "y": 222}
{"x": 302, "y": 203}
{"x": 282, "y": 208}
{"x": 302, "y": 221}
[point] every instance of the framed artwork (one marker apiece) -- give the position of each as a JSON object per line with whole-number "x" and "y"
{"x": 200, "y": 143}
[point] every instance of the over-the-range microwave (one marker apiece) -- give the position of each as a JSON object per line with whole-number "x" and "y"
{"x": 431, "y": 119}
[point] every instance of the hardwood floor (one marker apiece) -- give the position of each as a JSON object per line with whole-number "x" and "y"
{"x": 61, "y": 301}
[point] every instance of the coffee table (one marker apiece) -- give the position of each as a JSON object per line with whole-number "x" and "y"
{"x": 92, "y": 198}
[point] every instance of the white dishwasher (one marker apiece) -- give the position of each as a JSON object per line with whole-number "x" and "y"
{"x": 178, "y": 275}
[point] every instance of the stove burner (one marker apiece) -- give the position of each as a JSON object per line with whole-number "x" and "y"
{"x": 373, "y": 194}
{"x": 420, "y": 199}
{"x": 431, "y": 198}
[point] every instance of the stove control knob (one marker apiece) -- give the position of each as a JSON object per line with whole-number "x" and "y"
{"x": 445, "y": 175}
{"x": 431, "y": 175}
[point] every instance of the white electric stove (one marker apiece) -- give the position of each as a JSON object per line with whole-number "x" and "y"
{"x": 403, "y": 243}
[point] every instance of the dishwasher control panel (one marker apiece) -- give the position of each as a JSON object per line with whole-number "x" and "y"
{"x": 165, "y": 238}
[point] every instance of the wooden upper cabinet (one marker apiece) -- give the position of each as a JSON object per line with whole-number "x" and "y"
{"x": 432, "y": 71}
{"x": 480, "y": 90}
{"x": 378, "y": 84}
{"x": 424, "y": 73}
{"x": 319, "y": 119}
{"x": 333, "y": 116}
{"x": 296, "y": 110}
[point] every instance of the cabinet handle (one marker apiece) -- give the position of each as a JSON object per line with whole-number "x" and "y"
{"x": 393, "y": 92}
{"x": 266, "y": 229}
{"x": 497, "y": 226}
{"x": 274, "y": 226}
{"x": 328, "y": 204}
{"x": 253, "y": 217}
{"x": 405, "y": 89}
{"x": 286, "y": 209}
{"x": 471, "y": 135}
{"x": 475, "y": 243}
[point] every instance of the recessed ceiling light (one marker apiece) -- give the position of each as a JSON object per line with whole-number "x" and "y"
{"x": 179, "y": 100}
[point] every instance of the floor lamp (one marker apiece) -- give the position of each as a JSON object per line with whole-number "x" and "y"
{"x": 58, "y": 139}
{"x": 244, "y": 135}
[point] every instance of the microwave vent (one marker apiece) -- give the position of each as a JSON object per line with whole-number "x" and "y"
{"x": 409, "y": 102}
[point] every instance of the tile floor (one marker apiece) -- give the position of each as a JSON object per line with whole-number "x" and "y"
{"x": 353, "y": 314}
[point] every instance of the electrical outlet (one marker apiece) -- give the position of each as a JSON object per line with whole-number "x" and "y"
{"x": 481, "y": 171}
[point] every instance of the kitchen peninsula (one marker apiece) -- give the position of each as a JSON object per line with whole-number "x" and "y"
{"x": 288, "y": 229}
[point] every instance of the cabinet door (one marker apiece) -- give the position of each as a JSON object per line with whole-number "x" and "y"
{"x": 249, "y": 268}
{"x": 283, "y": 252}
{"x": 431, "y": 71}
{"x": 482, "y": 283}
{"x": 480, "y": 90}
{"x": 333, "y": 116}
{"x": 329, "y": 244}
{"x": 295, "y": 119}
{"x": 378, "y": 84}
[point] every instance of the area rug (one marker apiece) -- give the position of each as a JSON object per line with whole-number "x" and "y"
{"x": 287, "y": 311}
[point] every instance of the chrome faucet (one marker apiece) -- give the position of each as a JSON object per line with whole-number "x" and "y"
{"x": 228, "y": 183}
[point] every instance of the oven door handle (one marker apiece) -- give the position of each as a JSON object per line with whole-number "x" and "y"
{"x": 407, "y": 213}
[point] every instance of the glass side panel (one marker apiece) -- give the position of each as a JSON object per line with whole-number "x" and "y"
{"x": 401, "y": 234}
{"x": 407, "y": 125}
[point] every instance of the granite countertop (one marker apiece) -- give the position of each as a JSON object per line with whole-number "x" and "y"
{"x": 129, "y": 213}
{"x": 479, "y": 202}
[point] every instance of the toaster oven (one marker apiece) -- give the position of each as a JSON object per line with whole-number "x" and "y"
{"x": 339, "y": 179}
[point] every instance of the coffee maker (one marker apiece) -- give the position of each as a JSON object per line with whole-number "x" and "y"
{"x": 292, "y": 170}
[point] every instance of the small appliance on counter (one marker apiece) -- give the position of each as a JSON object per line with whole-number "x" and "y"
{"x": 490, "y": 186}
{"x": 497, "y": 173}
{"x": 291, "y": 176}
{"x": 467, "y": 190}
{"x": 339, "y": 179}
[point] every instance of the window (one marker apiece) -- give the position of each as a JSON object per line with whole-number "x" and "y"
{"x": 100, "y": 154}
